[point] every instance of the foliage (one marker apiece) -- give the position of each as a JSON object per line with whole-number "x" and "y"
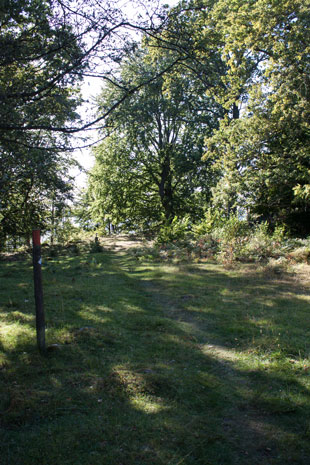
{"x": 266, "y": 151}
{"x": 231, "y": 242}
{"x": 37, "y": 93}
{"x": 38, "y": 50}
{"x": 261, "y": 80}
{"x": 47, "y": 47}
{"x": 230, "y": 81}
{"x": 120, "y": 190}
{"x": 95, "y": 246}
{"x": 211, "y": 219}
{"x": 81, "y": 211}
{"x": 262, "y": 172}
{"x": 231, "y": 235}
{"x": 151, "y": 163}
{"x": 35, "y": 189}
{"x": 173, "y": 231}
{"x": 301, "y": 254}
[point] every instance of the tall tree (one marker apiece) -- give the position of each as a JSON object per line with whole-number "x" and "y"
{"x": 266, "y": 153}
{"x": 264, "y": 48}
{"x": 158, "y": 143}
{"x": 40, "y": 60}
{"x": 37, "y": 93}
{"x": 46, "y": 47}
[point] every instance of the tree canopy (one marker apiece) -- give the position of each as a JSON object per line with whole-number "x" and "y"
{"x": 207, "y": 106}
{"x": 262, "y": 143}
{"x": 38, "y": 93}
{"x": 150, "y": 166}
{"x": 47, "y": 48}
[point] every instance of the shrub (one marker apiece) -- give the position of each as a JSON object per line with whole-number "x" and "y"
{"x": 231, "y": 236}
{"x": 226, "y": 240}
{"x": 262, "y": 245}
{"x": 301, "y": 254}
{"x": 177, "y": 230}
{"x": 73, "y": 248}
{"x": 259, "y": 244}
{"x": 145, "y": 253}
{"x": 206, "y": 226}
{"x": 206, "y": 247}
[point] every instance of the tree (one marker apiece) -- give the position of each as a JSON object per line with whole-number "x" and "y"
{"x": 41, "y": 61}
{"x": 37, "y": 93}
{"x": 151, "y": 164}
{"x": 47, "y": 47}
{"x": 266, "y": 152}
{"x": 35, "y": 187}
{"x": 121, "y": 192}
{"x": 262, "y": 144}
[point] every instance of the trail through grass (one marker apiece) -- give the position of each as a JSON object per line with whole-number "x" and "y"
{"x": 154, "y": 364}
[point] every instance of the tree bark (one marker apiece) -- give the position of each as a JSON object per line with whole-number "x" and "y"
{"x": 166, "y": 190}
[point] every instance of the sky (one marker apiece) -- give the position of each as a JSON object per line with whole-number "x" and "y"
{"x": 91, "y": 89}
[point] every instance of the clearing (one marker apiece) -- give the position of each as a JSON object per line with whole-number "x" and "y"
{"x": 154, "y": 364}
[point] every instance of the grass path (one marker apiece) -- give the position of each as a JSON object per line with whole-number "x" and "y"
{"x": 155, "y": 364}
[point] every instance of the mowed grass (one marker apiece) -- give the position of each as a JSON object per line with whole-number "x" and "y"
{"x": 155, "y": 364}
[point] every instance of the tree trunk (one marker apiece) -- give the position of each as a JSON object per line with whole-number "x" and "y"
{"x": 236, "y": 112}
{"x": 166, "y": 190}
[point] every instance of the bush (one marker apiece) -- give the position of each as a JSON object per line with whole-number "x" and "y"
{"x": 301, "y": 254}
{"x": 73, "y": 248}
{"x": 262, "y": 245}
{"x": 206, "y": 247}
{"x": 206, "y": 226}
{"x": 177, "y": 230}
{"x": 231, "y": 236}
{"x": 259, "y": 244}
{"x": 227, "y": 241}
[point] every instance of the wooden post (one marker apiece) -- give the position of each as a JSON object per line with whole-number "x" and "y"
{"x": 38, "y": 291}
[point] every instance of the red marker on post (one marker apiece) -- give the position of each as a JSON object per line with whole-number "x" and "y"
{"x": 38, "y": 290}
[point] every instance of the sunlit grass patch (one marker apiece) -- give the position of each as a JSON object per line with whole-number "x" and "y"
{"x": 15, "y": 334}
{"x": 147, "y": 405}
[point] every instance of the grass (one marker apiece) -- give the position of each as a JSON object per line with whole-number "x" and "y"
{"x": 154, "y": 364}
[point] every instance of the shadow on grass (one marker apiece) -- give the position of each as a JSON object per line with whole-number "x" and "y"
{"x": 156, "y": 365}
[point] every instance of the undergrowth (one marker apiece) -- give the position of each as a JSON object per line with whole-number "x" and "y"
{"x": 228, "y": 242}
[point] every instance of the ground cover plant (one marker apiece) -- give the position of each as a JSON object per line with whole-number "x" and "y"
{"x": 226, "y": 240}
{"x": 154, "y": 363}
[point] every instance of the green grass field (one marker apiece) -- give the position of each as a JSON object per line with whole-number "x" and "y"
{"x": 155, "y": 364}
